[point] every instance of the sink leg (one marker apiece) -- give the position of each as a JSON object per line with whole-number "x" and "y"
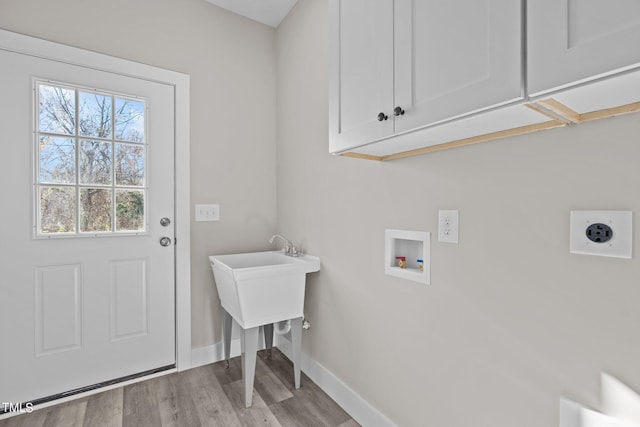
{"x": 227, "y": 323}
{"x": 249, "y": 349}
{"x": 268, "y": 338}
{"x": 296, "y": 343}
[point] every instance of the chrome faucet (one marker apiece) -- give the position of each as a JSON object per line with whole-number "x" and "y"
{"x": 289, "y": 249}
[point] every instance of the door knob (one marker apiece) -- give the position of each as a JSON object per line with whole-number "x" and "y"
{"x": 382, "y": 116}
{"x": 398, "y": 111}
{"x": 165, "y": 241}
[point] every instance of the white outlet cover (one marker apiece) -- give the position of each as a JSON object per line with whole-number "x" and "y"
{"x": 620, "y": 245}
{"x": 448, "y": 226}
{"x": 209, "y": 212}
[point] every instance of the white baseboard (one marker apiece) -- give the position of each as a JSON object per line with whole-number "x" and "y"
{"x": 212, "y": 353}
{"x": 358, "y": 408}
{"x": 215, "y": 353}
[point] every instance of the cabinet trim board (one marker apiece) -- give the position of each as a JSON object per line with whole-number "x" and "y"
{"x": 556, "y": 110}
{"x": 560, "y": 114}
{"x": 361, "y": 156}
{"x": 575, "y": 117}
{"x": 477, "y": 139}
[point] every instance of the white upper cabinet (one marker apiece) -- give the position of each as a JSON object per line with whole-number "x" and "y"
{"x": 453, "y": 58}
{"x": 573, "y": 41}
{"x": 361, "y": 97}
{"x": 397, "y": 66}
{"x": 413, "y": 76}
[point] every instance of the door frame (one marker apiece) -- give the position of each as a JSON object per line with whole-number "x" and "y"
{"x": 45, "y": 49}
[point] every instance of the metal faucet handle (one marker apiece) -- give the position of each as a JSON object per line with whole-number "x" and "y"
{"x": 289, "y": 248}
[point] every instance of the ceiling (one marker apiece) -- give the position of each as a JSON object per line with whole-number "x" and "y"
{"x": 270, "y": 12}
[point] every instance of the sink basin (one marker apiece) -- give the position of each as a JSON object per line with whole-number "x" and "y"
{"x": 260, "y": 288}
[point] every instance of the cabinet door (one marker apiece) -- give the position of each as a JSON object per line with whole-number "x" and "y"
{"x": 361, "y": 76}
{"x": 456, "y": 57}
{"x": 576, "y": 40}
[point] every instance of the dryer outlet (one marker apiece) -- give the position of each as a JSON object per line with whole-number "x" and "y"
{"x": 602, "y": 233}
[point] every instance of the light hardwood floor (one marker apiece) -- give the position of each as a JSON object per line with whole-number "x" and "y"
{"x": 208, "y": 395}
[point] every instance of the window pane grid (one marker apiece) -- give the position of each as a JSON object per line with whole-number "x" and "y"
{"x": 90, "y": 162}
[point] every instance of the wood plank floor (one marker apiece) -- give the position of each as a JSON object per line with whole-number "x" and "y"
{"x": 209, "y": 395}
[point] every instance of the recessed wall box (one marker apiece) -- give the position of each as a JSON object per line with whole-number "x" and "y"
{"x": 602, "y": 233}
{"x": 415, "y": 248}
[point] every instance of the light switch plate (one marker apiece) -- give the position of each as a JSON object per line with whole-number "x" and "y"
{"x": 601, "y": 233}
{"x": 208, "y": 212}
{"x": 448, "y": 226}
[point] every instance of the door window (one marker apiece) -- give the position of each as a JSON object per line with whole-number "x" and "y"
{"x": 90, "y": 161}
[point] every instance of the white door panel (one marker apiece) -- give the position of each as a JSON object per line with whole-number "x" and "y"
{"x": 454, "y": 58}
{"x": 573, "y": 40}
{"x": 362, "y": 67}
{"x": 82, "y": 310}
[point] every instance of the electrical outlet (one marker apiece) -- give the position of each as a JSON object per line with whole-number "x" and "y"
{"x": 208, "y": 212}
{"x": 448, "y": 226}
{"x": 601, "y": 233}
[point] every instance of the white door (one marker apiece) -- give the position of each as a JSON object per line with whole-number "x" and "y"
{"x": 361, "y": 100}
{"x": 571, "y": 40}
{"x": 454, "y": 58}
{"x": 87, "y": 291}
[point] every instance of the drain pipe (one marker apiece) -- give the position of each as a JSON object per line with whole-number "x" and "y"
{"x": 284, "y": 327}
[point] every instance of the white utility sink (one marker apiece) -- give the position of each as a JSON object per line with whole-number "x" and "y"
{"x": 260, "y": 288}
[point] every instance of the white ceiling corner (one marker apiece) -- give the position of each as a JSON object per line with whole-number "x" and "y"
{"x": 269, "y": 12}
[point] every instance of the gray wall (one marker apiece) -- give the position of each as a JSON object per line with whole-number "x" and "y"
{"x": 511, "y": 320}
{"x": 231, "y": 61}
